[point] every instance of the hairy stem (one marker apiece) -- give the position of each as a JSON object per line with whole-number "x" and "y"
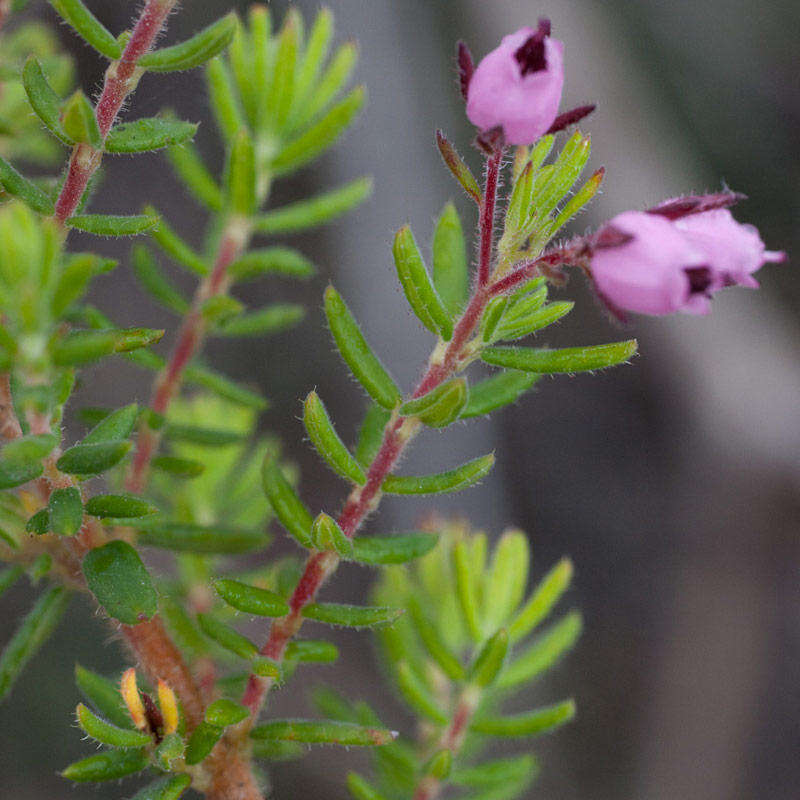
{"x": 396, "y": 436}
{"x": 192, "y": 332}
{"x": 121, "y": 80}
{"x": 9, "y": 424}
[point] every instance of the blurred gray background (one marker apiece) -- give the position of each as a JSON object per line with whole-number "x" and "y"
{"x": 674, "y": 483}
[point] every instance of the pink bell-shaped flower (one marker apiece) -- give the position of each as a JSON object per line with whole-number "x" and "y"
{"x": 518, "y": 85}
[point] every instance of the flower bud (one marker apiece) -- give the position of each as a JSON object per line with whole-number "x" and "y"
{"x": 518, "y": 85}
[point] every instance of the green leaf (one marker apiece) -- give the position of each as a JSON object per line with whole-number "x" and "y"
{"x": 315, "y": 210}
{"x": 32, "y": 633}
{"x": 65, "y": 511}
{"x": 79, "y": 121}
{"x": 207, "y": 437}
{"x": 88, "y": 27}
{"x": 281, "y": 91}
{"x": 288, "y": 507}
{"x": 272, "y": 319}
{"x": 496, "y": 774}
{"x": 280, "y": 260}
{"x": 175, "y": 247}
{"x": 310, "y": 64}
{"x": 202, "y": 742}
{"x": 92, "y": 459}
{"x": 361, "y": 789}
{"x": 178, "y": 467}
{"x": 505, "y": 582}
{"x": 542, "y": 600}
{"x": 21, "y": 459}
{"x": 311, "y": 651}
{"x": 241, "y": 174}
{"x": 192, "y": 171}
{"x": 327, "y": 535}
{"x": 578, "y": 201}
{"x": 452, "y": 481}
{"x": 396, "y": 549}
{"x": 327, "y": 442}
{"x": 224, "y": 387}
{"x": 84, "y": 347}
{"x": 45, "y": 103}
{"x": 224, "y": 101}
{"x": 227, "y": 637}
{"x": 320, "y": 136}
{"x": 497, "y": 391}
{"x": 251, "y": 599}
{"x": 203, "y": 46}
{"x": 170, "y": 787}
{"x": 370, "y": 435}
{"x": 351, "y": 616}
{"x": 149, "y": 133}
{"x": 109, "y": 765}
{"x": 224, "y": 712}
{"x": 267, "y": 668}
{"x": 333, "y": 81}
{"x": 439, "y": 765}
{"x": 187, "y": 537}
{"x": 120, "y": 582}
{"x": 434, "y": 643}
{"x": 118, "y": 506}
{"x": 108, "y": 733}
{"x": 416, "y": 694}
{"x": 515, "y": 326}
{"x": 490, "y": 660}
{"x": 18, "y": 186}
{"x": 417, "y": 285}
{"x": 323, "y": 732}
{"x": 450, "y": 263}
{"x": 8, "y": 577}
{"x": 468, "y": 577}
{"x": 113, "y": 225}
{"x": 39, "y": 523}
{"x": 460, "y": 170}
{"x": 78, "y": 270}
{"x": 155, "y": 282}
{"x": 441, "y": 406}
{"x": 115, "y": 427}
{"x": 568, "y": 359}
{"x": 103, "y": 694}
{"x": 545, "y": 651}
{"x": 355, "y": 351}
{"x": 531, "y": 723}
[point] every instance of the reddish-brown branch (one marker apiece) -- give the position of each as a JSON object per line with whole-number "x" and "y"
{"x": 190, "y": 339}
{"x": 487, "y": 216}
{"x": 452, "y": 739}
{"x": 396, "y": 436}
{"x": 9, "y": 423}
{"x": 121, "y": 79}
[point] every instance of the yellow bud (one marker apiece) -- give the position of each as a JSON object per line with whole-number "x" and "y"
{"x": 130, "y": 694}
{"x": 169, "y": 707}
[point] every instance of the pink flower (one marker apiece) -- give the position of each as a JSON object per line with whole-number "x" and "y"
{"x": 518, "y": 85}
{"x": 733, "y": 251}
{"x": 656, "y": 263}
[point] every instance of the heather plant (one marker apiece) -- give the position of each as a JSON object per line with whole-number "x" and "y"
{"x": 188, "y": 473}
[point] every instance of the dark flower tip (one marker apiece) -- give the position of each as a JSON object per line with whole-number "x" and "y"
{"x": 570, "y": 118}
{"x": 466, "y": 68}
{"x": 530, "y": 56}
{"x": 680, "y": 207}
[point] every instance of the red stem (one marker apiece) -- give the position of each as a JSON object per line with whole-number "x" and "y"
{"x": 487, "y": 216}
{"x": 190, "y": 338}
{"x": 121, "y": 79}
{"x": 396, "y": 436}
